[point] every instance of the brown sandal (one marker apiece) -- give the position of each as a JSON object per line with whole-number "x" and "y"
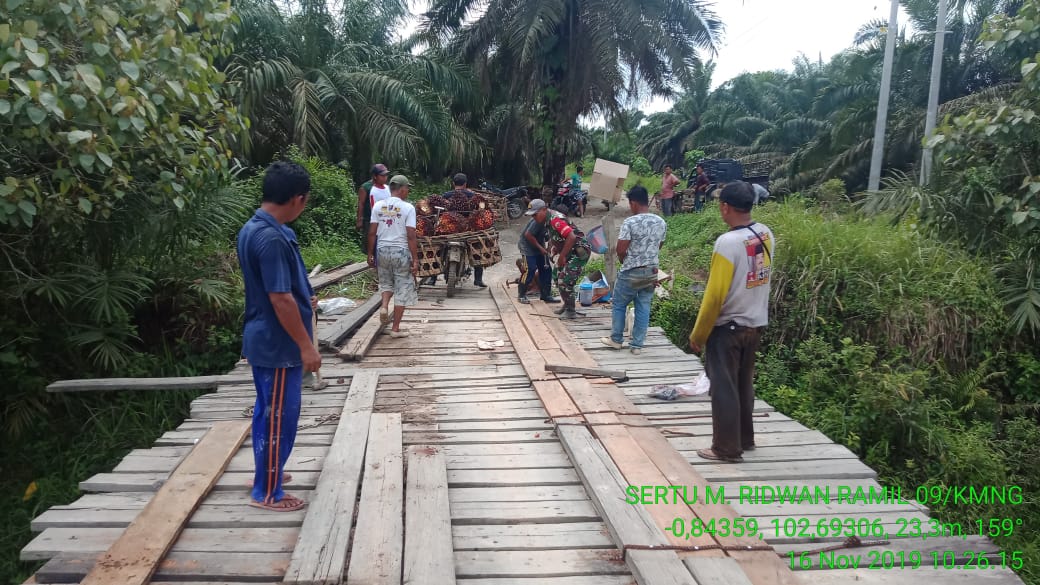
{"x": 286, "y": 478}
{"x": 286, "y": 504}
{"x": 711, "y": 455}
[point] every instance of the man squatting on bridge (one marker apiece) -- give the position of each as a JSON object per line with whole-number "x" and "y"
{"x": 733, "y": 315}
{"x": 277, "y": 342}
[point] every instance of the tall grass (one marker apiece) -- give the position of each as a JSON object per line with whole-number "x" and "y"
{"x": 892, "y": 343}
{"x": 864, "y": 278}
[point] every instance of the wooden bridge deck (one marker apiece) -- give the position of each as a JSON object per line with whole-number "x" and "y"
{"x": 468, "y": 467}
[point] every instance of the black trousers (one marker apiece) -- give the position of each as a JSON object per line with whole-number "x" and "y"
{"x": 730, "y": 364}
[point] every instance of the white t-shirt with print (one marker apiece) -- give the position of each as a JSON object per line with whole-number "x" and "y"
{"x": 377, "y": 194}
{"x": 644, "y": 232}
{"x": 393, "y": 217}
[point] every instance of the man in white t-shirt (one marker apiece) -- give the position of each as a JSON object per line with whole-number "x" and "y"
{"x": 638, "y": 246}
{"x": 393, "y": 225}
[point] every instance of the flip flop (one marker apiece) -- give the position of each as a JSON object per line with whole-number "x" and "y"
{"x": 711, "y": 455}
{"x": 286, "y": 478}
{"x": 384, "y": 315}
{"x": 286, "y": 504}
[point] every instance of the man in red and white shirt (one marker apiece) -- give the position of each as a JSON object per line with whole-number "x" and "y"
{"x": 667, "y": 193}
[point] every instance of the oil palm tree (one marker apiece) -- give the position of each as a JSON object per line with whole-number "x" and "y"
{"x": 571, "y": 58}
{"x": 337, "y": 85}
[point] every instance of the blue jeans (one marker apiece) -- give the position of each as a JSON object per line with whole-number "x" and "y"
{"x": 666, "y": 207}
{"x": 624, "y": 294}
{"x": 275, "y": 417}
{"x": 698, "y": 201}
{"x": 537, "y": 264}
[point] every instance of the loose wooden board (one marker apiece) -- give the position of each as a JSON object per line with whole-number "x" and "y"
{"x": 331, "y": 335}
{"x": 135, "y": 556}
{"x": 330, "y": 277}
{"x": 320, "y": 553}
{"x": 428, "y": 554}
{"x": 377, "y": 551}
{"x": 182, "y": 383}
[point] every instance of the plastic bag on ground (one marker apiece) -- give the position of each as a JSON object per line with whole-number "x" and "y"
{"x": 672, "y": 391}
{"x": 336, "y": 306}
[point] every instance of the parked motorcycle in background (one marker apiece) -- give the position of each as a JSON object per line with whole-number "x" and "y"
{"x": 569, "y": 200}
{"x": 517, "y": 198}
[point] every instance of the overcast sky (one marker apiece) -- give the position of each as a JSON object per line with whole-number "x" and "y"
{"x": 763, "y": 35}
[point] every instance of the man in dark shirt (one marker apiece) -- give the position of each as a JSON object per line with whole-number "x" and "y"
{"x": 277, "y": 341}
{"x": 532, "y": 246}
{"x": 700, "y": 188}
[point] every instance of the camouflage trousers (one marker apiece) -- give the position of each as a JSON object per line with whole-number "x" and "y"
{"x": 567, "y": 277}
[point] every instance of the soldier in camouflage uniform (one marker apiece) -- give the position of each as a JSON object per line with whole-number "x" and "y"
{"x": 571, "y": 249}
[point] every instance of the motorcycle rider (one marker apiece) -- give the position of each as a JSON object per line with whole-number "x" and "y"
{"x": 459, "y": 182}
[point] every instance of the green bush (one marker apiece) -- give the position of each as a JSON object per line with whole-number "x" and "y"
{"x": 326, "y": 229}
{"x": 892, "y": 343}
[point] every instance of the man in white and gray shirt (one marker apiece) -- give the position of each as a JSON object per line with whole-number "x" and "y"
{"x": 639, "y": 243}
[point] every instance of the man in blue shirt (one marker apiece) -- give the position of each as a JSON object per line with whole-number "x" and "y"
{"x": 280, "y": 305}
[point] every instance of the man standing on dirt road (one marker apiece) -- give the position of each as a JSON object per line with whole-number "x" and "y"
{"x": 393, "y": 225}
{"x": 733, "y": 315}
{"x": 639, "y": 242}
{"x": 276, "y": 341}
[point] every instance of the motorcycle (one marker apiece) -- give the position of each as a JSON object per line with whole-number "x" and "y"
{"x": 569, "y": 200}
{"x": 517, "y": 198}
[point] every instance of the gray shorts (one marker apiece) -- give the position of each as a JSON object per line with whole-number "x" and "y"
{"x": 394, "y": 267}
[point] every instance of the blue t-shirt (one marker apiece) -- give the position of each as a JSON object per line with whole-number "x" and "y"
{"x": 269, "y": 256}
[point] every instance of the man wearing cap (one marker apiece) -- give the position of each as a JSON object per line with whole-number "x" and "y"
{"x": 536, "y": 256}
{"x": 733, "y": 315}
{"x": 393, "y": 226}
{"x": 369, "y": 193}
{"x": 566, "y": 240}
{"x": 459, "y": 181}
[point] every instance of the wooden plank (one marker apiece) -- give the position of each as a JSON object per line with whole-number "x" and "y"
{"x": 540, "y": 564}
{"x": 991, "y": 576}
{"x": 571, "y": 580}
{"x": 571, "y": 535}
{"x": 619, "y": 375}
{"x": 716, "y": 571}
{"x": 428, "y": 554}
{"x": 335, "y": 275}
{"x": 190, "y": 566}
{"x": 134, "y": 557}
{"x": 355, "y": 348}
{"x": 55, "y": 541}
{"x": 761, "y": 567}
{"x": 628, "y": 524}
{"x": 331, "y": 335}
{"x": 181, "y": 383}
{"x": 320, "y": 553}
{"x": 376, "y": 555}
{"x": 461, "y": 478}
{"x": 658, "y": 567}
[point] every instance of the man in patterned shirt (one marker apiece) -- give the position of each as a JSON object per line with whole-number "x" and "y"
{"x": 639, "y": 241}
{"x": 572, "y": 250}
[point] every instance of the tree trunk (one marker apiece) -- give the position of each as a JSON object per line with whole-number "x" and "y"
{"x": 554, "y": 163}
